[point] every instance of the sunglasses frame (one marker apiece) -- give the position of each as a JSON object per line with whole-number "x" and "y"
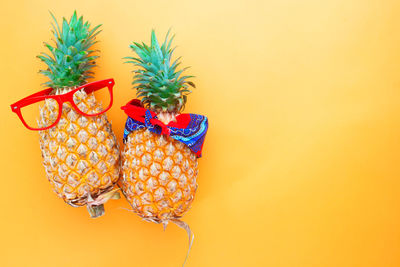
{"x": 68, "y": 97}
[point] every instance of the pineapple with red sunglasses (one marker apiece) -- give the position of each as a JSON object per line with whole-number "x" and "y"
{"x": 79, "y": 149}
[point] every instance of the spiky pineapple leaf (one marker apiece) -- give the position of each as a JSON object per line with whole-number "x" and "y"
{"x": 158, "y": 82}
{"x": 70, "y": 60}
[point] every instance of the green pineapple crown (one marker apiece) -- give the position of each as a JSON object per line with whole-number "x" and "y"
{"x": 71, "y": 59}
{"x": 158, "y": 82}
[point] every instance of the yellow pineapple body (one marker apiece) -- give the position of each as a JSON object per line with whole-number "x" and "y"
{"x": 80, "y": 154}
{"x": 158, "y": 176}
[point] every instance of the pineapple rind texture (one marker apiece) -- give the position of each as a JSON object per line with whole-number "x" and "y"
{"x": 80, "y": 154}
{"x": 158, "y": 176}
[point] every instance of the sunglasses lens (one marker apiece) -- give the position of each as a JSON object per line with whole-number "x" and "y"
{"x": 93, "y": 102}
{"x": 41, "y": 114}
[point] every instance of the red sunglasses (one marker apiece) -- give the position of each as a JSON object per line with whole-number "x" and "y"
{"x": 60, "y": 99}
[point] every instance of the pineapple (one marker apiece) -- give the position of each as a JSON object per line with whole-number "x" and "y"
{"x": 80, "y": 154}
{"x": 158, "y": 172}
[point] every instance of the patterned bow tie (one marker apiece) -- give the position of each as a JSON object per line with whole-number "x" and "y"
{"x": 188, "y": 128}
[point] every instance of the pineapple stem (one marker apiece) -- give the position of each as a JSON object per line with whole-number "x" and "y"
{"x": 95, "y": 210}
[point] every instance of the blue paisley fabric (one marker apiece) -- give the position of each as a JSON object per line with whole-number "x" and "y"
{"x": 192, "y": 135}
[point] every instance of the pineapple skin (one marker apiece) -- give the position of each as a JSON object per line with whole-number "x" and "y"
{"x": 80, "y": 154}
{"x": 158, "y": 176}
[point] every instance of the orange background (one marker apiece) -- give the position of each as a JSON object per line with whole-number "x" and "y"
{"x": 301, "y": 162}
